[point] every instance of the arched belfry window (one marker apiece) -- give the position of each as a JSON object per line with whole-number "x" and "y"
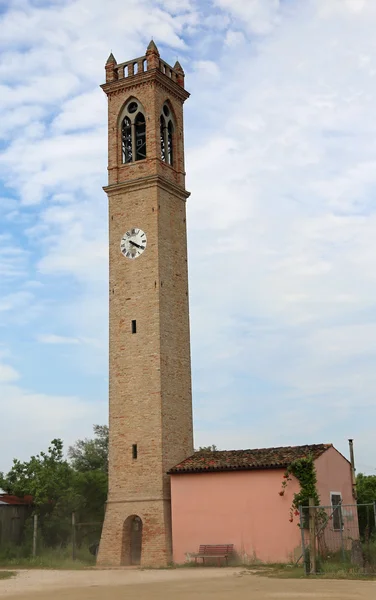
{"x": 167, "y": 135}
{"x": 133, "y": 132}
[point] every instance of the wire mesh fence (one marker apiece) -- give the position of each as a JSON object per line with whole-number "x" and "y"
{"x": 86, "y": 536}
{"x": 53, "y": 542}
{"x": 341, "y": 537}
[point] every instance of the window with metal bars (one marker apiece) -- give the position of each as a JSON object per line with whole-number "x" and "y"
{"x": 133, "y": 132}
{"x": 336, "y": 502}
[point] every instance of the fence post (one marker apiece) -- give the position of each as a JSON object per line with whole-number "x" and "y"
{"x": 341, "y": 533}
{"x": 35, "y": 534}
{"x": 312, "y": 536}
{"x": 73, "y": 536}
{"x": 302, "y": 536}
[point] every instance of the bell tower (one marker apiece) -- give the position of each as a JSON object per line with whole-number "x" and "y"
{"x": 150, "y": 399}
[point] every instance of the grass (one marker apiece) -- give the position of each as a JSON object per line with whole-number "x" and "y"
{"x": 51, "y": 558}
{"x": 6, "y": 574}
{"x": 282, "y": 571}
{"x": 297, "y": 572}
{"x": 61, "y": 558}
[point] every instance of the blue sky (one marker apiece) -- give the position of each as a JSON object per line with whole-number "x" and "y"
{"x": 281, "y": 165}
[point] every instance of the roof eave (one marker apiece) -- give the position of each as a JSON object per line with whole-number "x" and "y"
{"x": 225, "y": 468}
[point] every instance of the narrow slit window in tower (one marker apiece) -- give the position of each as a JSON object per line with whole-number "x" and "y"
{"x": 134, "y": 451}
{"x": 140, "y": 126}
{"x": 134, "y": 326}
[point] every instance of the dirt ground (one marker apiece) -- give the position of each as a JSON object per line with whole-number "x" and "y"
{"x": 180, "y": 584}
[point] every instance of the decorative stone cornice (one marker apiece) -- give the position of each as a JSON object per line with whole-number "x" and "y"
{"x": 146, "y": 182}
{"x": 151, "y": 76}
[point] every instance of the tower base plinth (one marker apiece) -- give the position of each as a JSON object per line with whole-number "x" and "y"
{"x": 131, "y": 536}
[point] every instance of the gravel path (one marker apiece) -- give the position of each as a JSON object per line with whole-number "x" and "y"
{"x": 179, "y": 584}
{"x": 42, "y": 580}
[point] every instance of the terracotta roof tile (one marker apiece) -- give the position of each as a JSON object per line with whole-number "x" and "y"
{"x": 9, "y": 499}
{"x": 239, "y": 460}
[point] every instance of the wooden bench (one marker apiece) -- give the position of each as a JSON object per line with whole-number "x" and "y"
{"x": 217, "y": 551}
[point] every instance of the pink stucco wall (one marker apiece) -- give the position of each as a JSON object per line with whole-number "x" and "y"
{"x": 333, "y": 475}
{"x": 244, "y": 508}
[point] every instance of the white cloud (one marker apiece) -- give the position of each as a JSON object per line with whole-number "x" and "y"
{"x": 85, "y": 111}
{"x": 13, "y": 259}
{"x": 234, "y": 38}
{"x": 7, "y": 374}
{"x": 284, "y": 198}
{"x": 15, "y": 118}
{"x": 15, "y": 301}
{"x": 207, "y": 68}
{"x": 34, "y": 419}
{"x": 45, "y": 169}
{"x": 281, "y": 157}
{"x": 259, "y": 15}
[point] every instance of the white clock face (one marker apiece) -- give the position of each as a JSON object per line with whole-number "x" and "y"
{"x": 133, "y": 243}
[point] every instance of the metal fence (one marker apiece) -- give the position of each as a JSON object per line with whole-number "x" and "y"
{"x": 339, "y": 538}
{"x": 50, "y": 541}
{"x": 85, "y": 536}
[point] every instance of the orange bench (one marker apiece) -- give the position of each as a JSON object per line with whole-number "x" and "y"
{"x": 217, "y": 551}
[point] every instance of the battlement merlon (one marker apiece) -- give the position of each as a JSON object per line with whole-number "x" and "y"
{"x": 139, "y": 67}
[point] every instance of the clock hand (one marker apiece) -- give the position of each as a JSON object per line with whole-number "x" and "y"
{"x": 137, "y": 245}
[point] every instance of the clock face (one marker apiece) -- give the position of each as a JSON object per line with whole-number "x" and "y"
{"x": 133, "y": 243}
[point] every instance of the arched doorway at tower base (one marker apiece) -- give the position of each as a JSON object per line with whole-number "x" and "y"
{"x": 132, "y": 541}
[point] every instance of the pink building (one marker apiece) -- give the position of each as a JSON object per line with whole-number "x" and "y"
{"x": 233, "y": 497}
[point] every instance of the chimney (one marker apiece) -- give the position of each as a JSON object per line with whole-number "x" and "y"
{"x": 352, "y": 460}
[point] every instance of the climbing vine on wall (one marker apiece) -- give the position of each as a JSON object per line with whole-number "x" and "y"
{"x": 303, "y": 469}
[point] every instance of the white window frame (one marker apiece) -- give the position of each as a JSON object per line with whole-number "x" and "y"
{"x": 340, "y": 512}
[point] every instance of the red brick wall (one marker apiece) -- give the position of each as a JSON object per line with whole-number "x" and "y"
{"x": 149, "y": 372}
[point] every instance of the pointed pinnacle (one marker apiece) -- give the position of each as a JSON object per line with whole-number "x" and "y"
{"x": 152, "y": 48}
{"x": 178, "y": 67}
{"x": 111, "y": 59}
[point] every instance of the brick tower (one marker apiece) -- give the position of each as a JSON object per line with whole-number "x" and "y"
{"x": 149, "y": 370}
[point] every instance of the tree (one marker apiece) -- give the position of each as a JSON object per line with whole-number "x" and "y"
{"x": 59, "y": 487}
{"x": 366, "y": 495}
{"x": 212, "y": 448}
{"x": 366, "y": 488}
{"x": 89, "y": 460}
{"x": 91, "y": 454}
{"x": 49, "y": 480}
{"x": 46, "y": 477}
